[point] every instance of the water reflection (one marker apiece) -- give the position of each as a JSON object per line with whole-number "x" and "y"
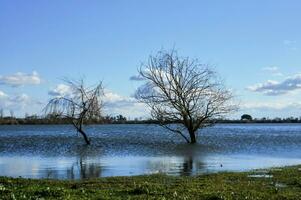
{"x": 55, "y": 152}
{"x": 79, "y": 167}
{"x": 83, "y": 170}
{"x": 84, "y": 166}
{"x": 187, "y": 168}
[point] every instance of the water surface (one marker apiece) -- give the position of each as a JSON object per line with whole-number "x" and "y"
{"x": 56, "y": 151}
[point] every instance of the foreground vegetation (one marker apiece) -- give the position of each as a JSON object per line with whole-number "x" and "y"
{"x": 280, "y": 183}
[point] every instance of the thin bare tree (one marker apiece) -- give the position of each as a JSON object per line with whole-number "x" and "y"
{"x": 81, "y": 105}
{"x": 1, "y": 113}
{"x": 183, "y": 94}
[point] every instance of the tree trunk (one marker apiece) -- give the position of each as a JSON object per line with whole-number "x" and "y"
{"x": 192, "y": 137}
{"x": 85, "y": 136}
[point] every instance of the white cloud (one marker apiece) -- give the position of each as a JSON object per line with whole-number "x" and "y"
{"x": 3, "y": 95}
{"x": 271, "y": 109}
{"x": 114, "y": 104}
{"x": 274, "y": 88}
{"x": 271, "y": 105}
{"x": 112, "y": 97}
{"x": 158, "y": 72}
{"x": 124, "y": 105}
{"x": 273, "y": 70}
{"x": 21, "y": 100}
{"x": 60, "y": 90}
{"x": 17, "y": 102}
{"x": 136, "y": 78}
{"x": 277, "y": 74}
{"x": 20, "y": 79}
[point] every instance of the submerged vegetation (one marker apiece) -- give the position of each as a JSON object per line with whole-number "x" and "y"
{"x": 276, "y": 183}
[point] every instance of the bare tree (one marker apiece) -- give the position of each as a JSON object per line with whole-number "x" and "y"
{"x": 12, "y": 114}
{"x": 183, "y": 91}
{"x": 81, "y": 105}
{"x": 1, "y": 113}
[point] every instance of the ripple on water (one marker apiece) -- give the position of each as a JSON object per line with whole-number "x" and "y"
{"x": 139, "y": 149}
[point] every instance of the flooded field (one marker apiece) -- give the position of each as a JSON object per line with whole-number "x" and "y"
{"x": 56, "y": 151}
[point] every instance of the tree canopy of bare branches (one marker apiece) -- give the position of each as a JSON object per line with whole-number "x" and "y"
{"x": 80, "y": 105}
{"x": 183, "y": 91}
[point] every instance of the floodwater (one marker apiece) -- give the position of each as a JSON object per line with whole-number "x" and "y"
{"x": 56, "y": 151}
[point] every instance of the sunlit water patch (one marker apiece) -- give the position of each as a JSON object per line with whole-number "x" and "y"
{"x": 126, "y": 150}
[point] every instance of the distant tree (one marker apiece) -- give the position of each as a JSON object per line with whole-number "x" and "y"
{"x": 246, "y": 117}
{"x": 1, "y": 113}
{"x": 81, "y": 106}
{"x": 263, "y": 119}
{"x": 184, "y": 91}
{"x": 12, "y": 114}
{"x": 121, "y": 118}
{"x": 12, "y": 118}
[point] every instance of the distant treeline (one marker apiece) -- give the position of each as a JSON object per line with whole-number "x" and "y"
{"x": 35, "y": 119}
{"x": 262, "y": 120}
{"x": 119, "y": 119}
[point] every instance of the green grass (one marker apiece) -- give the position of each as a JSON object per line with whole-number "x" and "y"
{"x": 283, "y": 183}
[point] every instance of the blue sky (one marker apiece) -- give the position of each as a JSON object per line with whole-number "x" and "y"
{"x": 254, "y": 45}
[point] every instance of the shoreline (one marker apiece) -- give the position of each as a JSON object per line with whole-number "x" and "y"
{"x": 146, "y": 123}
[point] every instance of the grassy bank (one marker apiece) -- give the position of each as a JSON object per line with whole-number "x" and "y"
{"x": 280, "y": 183}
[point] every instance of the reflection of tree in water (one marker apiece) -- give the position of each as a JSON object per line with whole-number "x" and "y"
{"x": 193, "y": 160}
{"x": 186, "y": 160}
{"x": 88, "y": 170}
{"x": 80, "y": 169}
{"x": 187, "y": 167}
{"x": 51, "y": 173}
{"x": 83, "y": 167}
{"x": 83, "y": 170}
{"x": 179, "y": 165}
